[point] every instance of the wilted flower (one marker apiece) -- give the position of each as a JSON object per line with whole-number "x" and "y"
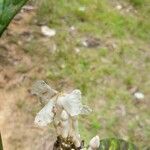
{"x": 70, "y": 106}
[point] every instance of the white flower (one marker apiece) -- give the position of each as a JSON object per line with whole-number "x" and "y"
{"x": 64, "y": 107}
{"x": 72, "y": 103}
{"x": 45, "y": 116}
{"x": 43, "y": 91}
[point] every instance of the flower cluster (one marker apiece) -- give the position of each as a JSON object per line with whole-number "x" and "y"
{"x": 62, "y": 109}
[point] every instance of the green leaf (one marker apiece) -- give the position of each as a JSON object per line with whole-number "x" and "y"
{"x": 1, "y": 144}
{"x": 8, "y": 9}
{"x": 116, "y": 144}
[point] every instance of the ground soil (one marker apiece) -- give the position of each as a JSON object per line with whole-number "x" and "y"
{"x": 16, "y": 112}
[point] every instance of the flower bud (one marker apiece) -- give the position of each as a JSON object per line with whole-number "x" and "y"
{"x": 94, "y": 143}
{"x": 65, "y": 124}
{"x": 64, "y": 115}
{"x": 76, "y": 141}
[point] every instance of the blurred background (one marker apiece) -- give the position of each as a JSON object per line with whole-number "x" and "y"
{"x": 101, "y": 47}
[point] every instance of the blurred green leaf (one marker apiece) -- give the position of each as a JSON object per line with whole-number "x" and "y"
{"x": 1, "y": 7}
{"x": 1, "y": 144}
{"x": 8, "y": 9}
{"x": 116, "y": 144}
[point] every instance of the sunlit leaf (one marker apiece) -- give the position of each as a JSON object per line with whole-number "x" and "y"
{"x": 116, "y": 144}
